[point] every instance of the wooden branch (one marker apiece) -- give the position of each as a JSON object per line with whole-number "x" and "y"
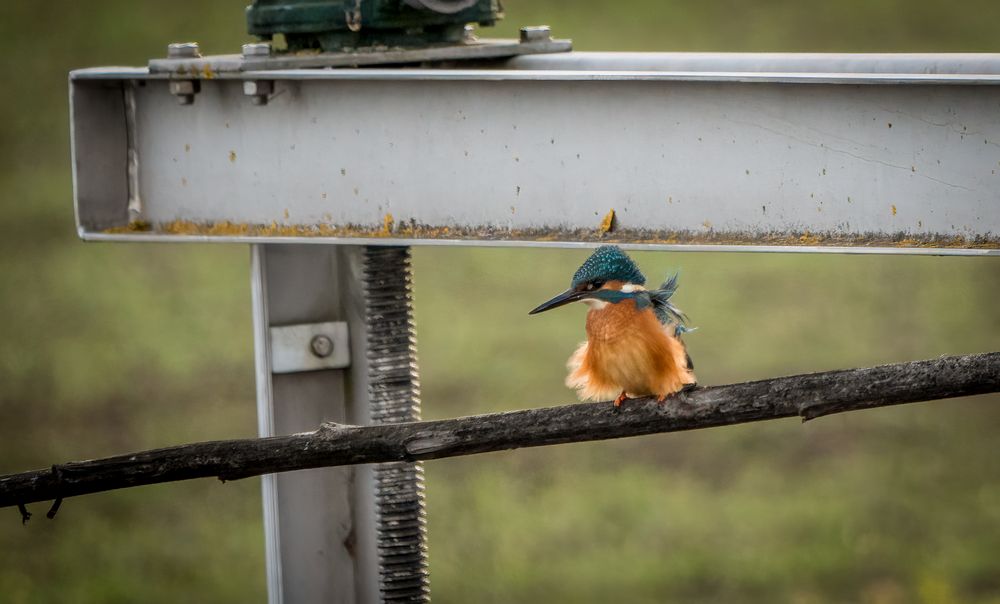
{"x": 808, "y": 396}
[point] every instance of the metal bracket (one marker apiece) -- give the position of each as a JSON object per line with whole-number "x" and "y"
{"x": 309, "y": 347}
{"x": 258, "y": 57}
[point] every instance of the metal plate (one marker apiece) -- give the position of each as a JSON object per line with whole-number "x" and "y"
{"x": 212, "y": 66}
{"x": 292, "y": 347}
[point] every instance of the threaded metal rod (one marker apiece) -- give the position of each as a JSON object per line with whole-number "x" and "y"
{"x": 394, "y": 393}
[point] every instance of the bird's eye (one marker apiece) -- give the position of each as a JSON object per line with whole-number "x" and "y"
{"x": 595, "y": 285}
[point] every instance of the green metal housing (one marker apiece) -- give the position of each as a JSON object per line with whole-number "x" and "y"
{"x": 334, "y": 25}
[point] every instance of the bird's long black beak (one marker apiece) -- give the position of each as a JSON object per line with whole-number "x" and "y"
{"x": 570, "y": 295}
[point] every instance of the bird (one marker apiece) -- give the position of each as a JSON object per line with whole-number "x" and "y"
{"x": 634, "y": 346}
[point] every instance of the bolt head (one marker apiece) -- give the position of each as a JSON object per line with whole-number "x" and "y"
{"x": 183, "y": 50}
{"x": 258, "y": 87}
{"x": 321, "y": 346}
{"x": 257, "y": 49}
{"x": 183, "y": 87}
{"x": 536, "y": 33}
{"x": 184, "y": 90}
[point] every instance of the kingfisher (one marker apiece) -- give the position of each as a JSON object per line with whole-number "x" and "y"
{"x": 634, "y": 346}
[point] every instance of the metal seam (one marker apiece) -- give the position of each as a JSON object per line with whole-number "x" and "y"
{"x": 132, "y": 152}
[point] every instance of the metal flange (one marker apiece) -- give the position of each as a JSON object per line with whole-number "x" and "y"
{"x": 260, "y": 56}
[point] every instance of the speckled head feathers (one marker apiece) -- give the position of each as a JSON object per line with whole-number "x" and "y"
{"x": 608, "y": 263}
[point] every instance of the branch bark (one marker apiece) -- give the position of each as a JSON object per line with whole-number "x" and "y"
{"x": 808, "y": 396}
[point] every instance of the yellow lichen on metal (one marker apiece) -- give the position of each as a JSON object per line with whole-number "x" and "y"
{"x": 389, "y": 228}
{"x": 135, "y": 226}
{"x": 808, "y": 238}
{"x": 609, "y": 222}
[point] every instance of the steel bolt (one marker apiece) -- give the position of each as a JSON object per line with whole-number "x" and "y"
{"x": 322, "y": 346}
{"x": 469, "y": 34}
{"x": 185, "y": 90}
{"x": 258, "y": 90}
{"x": 537, "y": 33}
{"x": 257, "y": 49}
{"x": 183, "y": 50}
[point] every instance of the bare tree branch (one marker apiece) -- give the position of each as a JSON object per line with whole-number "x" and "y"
{"x": 809, "y": 396}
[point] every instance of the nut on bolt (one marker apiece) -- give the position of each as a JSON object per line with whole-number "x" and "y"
{"x": 257, "y": 49}
{"x": 321, "y": 346}
{"x": 536, "y": 33}
{"x": 258, "y": 90}
{"x": 185, "y": 90}
{"x": 183, "y": 50}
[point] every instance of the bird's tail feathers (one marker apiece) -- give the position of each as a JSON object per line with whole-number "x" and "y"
{"x": 681, "y": 329}
{"x": 665, "y": 311}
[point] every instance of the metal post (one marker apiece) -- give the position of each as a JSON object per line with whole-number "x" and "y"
{"x": 353, "y": 535}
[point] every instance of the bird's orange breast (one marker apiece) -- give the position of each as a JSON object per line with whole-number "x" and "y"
{"x": 629, "y": 350}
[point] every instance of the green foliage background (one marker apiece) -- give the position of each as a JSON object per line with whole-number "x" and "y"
{"x": 108, "y": 348}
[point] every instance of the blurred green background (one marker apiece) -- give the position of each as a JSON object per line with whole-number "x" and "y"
{"x": 108, "y": 348}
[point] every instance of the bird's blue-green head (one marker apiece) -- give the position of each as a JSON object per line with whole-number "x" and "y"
{"x": 607, "y": 265}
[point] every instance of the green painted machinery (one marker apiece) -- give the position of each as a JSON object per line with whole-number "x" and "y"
{"x": 334, "y": 25}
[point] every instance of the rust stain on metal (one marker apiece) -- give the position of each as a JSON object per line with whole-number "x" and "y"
{"x": 389, "y": 228}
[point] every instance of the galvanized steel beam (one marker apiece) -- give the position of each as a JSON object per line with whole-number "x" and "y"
{"x": 319, "y": 524}
{"x": 884, "y": 154}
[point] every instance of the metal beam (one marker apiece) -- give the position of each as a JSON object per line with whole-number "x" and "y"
{"x": 352, "y": 535}
{"x": 318, "y": 524}
{"x": 836, "y": 152}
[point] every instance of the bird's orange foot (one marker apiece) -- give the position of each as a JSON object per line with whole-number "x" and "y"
{"x": 621, "y": 399}
{"x": 660, "y": 399}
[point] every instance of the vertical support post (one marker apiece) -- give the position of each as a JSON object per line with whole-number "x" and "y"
{"x": 329, "y": 531}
